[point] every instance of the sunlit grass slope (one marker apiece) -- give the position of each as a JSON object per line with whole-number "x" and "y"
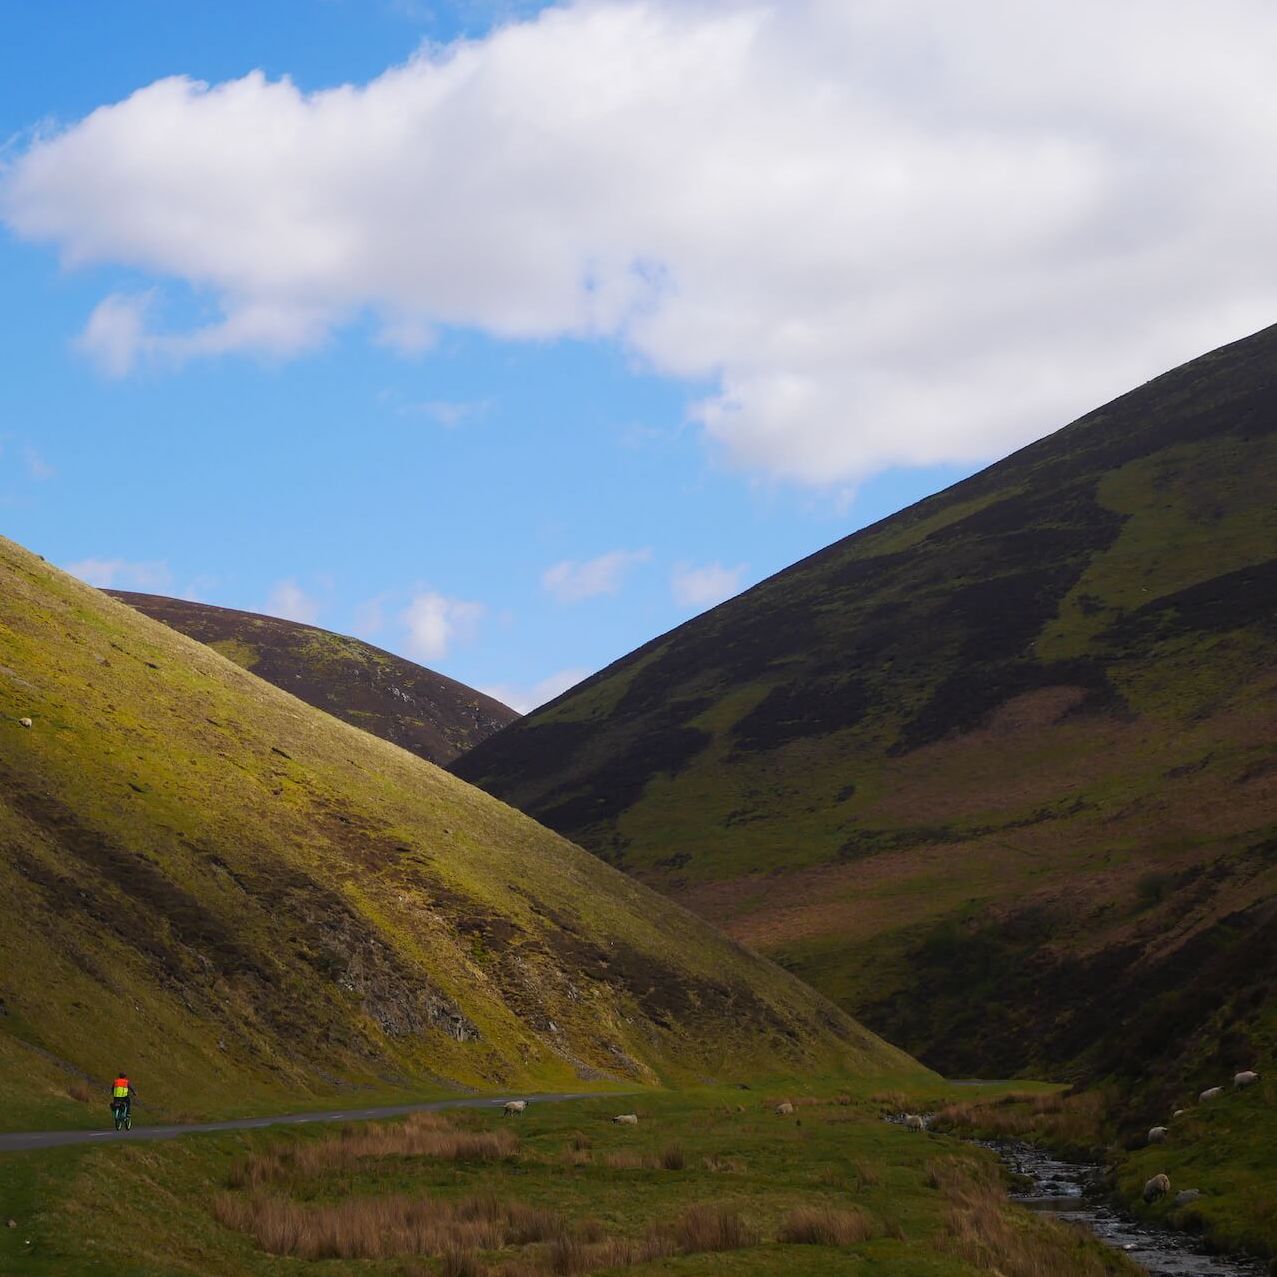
{"x": 426, "y": 713}
{"x": 246, "y": 902}
{"x": 999, "y": 773}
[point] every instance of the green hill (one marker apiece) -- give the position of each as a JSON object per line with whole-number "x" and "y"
{"x": 428, "y": 714}
{"x": 246, "y": 902}
{"x": 998, "y": 773}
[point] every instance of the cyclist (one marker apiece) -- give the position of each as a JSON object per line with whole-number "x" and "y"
{"x": 122, "y": 1096}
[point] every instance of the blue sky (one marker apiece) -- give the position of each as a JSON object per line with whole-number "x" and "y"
{"x": 521, "y": 354}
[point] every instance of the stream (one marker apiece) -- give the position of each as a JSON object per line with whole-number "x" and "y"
{"x": 1074, "y": 1191}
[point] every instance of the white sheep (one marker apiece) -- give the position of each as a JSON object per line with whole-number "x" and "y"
{"x": 1210, "y": 1094}
{"x": 1157, "y": 1187}
{"x": 1158, "y": 1135}
{"x": 513, "y": 1108}
{"x": 914, "y": 1123}
{"x": 625, "y": 1119}
{"x": 1248, "y": 1078}
{"x": 784, "y": 1109}
{"x": 24, "y": 722}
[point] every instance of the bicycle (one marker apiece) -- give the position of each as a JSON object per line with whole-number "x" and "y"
{"x": 123, "y": 1114}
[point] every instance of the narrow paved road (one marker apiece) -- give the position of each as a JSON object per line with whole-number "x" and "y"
{"x": 19, "y": 1140}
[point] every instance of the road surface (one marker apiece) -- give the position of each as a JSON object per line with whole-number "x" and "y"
{"x": 17, "y": 1141}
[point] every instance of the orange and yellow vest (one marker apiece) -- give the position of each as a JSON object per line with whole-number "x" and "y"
{"x": 121, "y": 1091}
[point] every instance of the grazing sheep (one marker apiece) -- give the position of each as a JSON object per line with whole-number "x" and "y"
{"x": 24, "y": 722}
{"x": 514, "y": 1108}
{"x": 1248, "y": 1078}
{"x": 625, "y": 1119}
{"x": 914, "y": 1123}
{"x": 1211, "y": 1094}
{"x": 1157, "y": 1187}
{"x": 1179, "y": 1113}
{"x": 1158, "y": 1135}
{"x": 1185, "y": 1196}
{"x": 784, "y": 1109}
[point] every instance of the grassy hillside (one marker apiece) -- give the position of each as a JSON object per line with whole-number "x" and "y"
{"x": 999, "y": 773}
{"x": 246, "y": 902}
{"x": 428, "y": 714}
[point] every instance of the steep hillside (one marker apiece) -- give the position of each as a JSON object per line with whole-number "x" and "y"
{"x": 999, "y": 773}
{"x": 432, "y": 716}
{"x": 243, "y": 900}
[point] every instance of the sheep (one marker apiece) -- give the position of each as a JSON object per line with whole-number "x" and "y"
{"x": 1179, "y": 1113}
{"x": 625, "y": 1119}
{"x": 24, "y": 722}
{"x": 514, "y": 1108}
{"x": 1157, "y": 1187}
{"x": 1210, "y": 1094}
{"x": 1158, "y": 1135}
{"x": 914, "y": 1123}
{"x": 784, "y": 1109}
{"x": 1184, "y": 1196}
{"x": 1248, "y": 1078}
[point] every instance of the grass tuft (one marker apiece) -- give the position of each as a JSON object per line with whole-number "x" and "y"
{"x": 826, "y": 1226}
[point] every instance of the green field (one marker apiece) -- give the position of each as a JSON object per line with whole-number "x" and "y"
{"x": 585, "y": 1192}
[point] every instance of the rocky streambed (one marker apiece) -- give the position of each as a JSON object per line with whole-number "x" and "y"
{"x": 1075, "y": 1191}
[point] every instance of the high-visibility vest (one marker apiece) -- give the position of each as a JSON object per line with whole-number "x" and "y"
{"x": 121, "y": 1091}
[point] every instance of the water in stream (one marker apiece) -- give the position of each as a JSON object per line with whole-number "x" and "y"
{"x": 1074, "y": 1191}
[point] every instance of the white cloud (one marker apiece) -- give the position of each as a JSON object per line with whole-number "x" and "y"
{"x": 444, "y": 412}
{"x": 885, "y": 233}
{"x": 121, "y": 574}
{"x": 435, "y": 622}
{"x": 526, "y": 699}
{"x": 572, "y": 581}
{"x": 704, "y": 586}
{"x": 289, "y": 600}
{"x": 37, "y": 467}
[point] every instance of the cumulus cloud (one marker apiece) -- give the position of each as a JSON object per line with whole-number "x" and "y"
{"x": 121, "y": 574}
{"x": 883, "y": 234}
{"x": 526, "y": 699}
{"x": 704, "y": 586}
{"x": 573, "y": 580}
{"x": 435, "y": 623}
{"x": 289, "y": 600}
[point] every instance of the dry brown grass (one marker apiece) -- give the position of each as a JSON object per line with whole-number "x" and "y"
{"x": 1073, "y": 1121}
{"x": 981, "y": 1229}
{"x": 723, "y": 1165}
{"x": 890, "y": 1101}
{"x": 585, "y": 1248}
{"x": 673, "y": 1158}
{"x": 83, "y": 1092}
{"x": 421, "y": 1135}
{"x": 385, "y": 1227}
{"x": 623, "y": 1160}
{"x": 826, "y": 1226}
{"x": 712, "y": 1226}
